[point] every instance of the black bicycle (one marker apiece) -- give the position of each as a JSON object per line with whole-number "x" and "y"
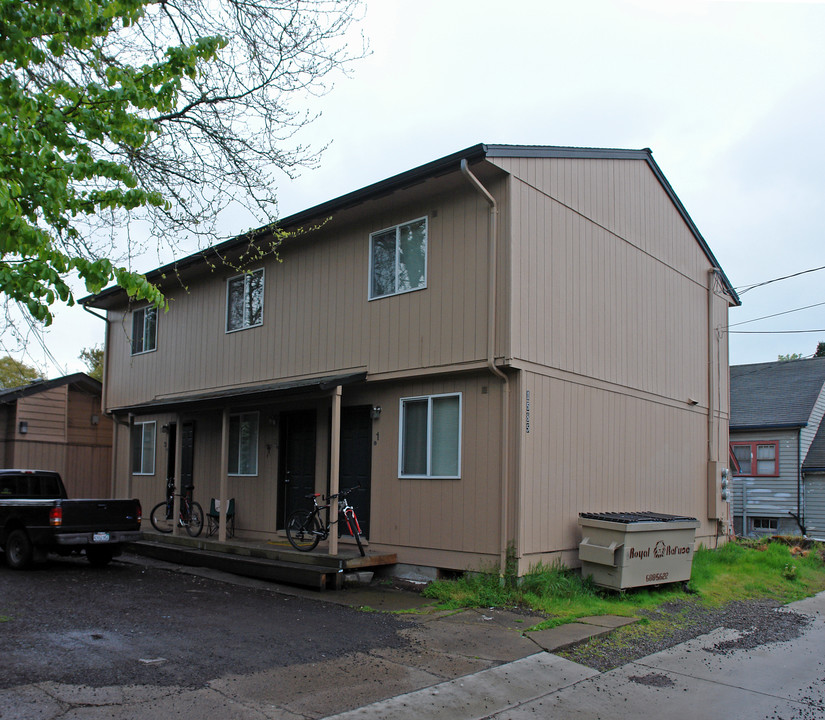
{"x": 305, "y": 529}
{"x": 190, "y": 516}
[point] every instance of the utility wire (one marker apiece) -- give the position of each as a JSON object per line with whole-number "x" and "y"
{"x": 36, "y": 332}
{"x": 786, "y": 312}
{"x": 747, "y": 288}
{"x": 773, "y": 332}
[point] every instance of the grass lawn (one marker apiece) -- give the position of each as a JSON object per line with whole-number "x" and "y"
{"x": 740, "y": 570}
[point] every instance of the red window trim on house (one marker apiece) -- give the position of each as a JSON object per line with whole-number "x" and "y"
{"x": 753, "y": 446}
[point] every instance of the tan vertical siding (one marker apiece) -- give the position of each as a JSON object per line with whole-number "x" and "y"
{"x": 317, "y": 315}
{"x": 593, "y": 450}
{"x": 453, "y": 521}
{"x": 45, "y": 413}
{"x": 610, "y": 321}
{"x": 80, "y": 429}
{"x": 8, "y": 423}
{"x": 602, "y": 315}
{"x": 455, "y": 517}
{"x": 37, "y": 455}
{"x": 87, "y": 471}
{"x": 614, "y": 293}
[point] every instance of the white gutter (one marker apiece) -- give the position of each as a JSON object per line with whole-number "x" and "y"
{"x": 491, "y": 360}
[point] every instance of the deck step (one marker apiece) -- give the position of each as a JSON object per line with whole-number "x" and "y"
{"x": 313, "y": 570}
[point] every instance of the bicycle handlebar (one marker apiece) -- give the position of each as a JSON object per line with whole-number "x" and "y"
{"x": 339, "y": 494}
{"x": 345, "y": 492}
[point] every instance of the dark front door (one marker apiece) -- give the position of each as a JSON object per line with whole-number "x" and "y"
{"x": 187, "y": 440}
{"x": 296, "y": 478}
{"x": 187, "y": 460}
{"x": 356, "y": 460}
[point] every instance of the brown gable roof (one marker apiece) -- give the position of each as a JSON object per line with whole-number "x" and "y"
{"x": 79, "y": 380}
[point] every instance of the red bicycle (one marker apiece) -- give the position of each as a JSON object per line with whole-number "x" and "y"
{"x": 304, "y": 528}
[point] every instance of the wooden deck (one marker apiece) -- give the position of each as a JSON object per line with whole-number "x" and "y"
{"x": 274, "y": 560}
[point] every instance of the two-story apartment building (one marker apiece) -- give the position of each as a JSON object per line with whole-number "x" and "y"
{"x": 506, "y": 337}
{"x": 777, "y": 439}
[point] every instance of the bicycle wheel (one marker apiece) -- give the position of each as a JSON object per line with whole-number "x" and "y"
{"x": 352, "y": 524}
{"x": 194, "y": 525}
{"x": 161, "y": 518}
{"x": 303, "y": 530}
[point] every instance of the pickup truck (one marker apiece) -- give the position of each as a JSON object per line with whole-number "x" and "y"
{"x": 36, "y": 518}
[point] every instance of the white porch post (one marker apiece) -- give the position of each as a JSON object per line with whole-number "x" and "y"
{"x": 334, "y": 467}
{"x": 224, "y": 474}
{"x": 178, "y": 470}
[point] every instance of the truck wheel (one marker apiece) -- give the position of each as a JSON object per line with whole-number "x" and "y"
{"x": 19, "y": 550}
{"x": 99, "y": 556}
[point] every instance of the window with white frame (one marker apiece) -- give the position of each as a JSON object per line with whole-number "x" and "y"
{"x": 245, "y": 300}
{"x": 756, "y": 459}
{"x": 144, "y": 330}
{"x": 143, "y": 448}
{"x": 243, "y": 444}
{"x": 398, "y": 259}
{"x": 430, "y": 437}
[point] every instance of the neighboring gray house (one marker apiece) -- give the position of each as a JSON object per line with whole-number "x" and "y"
{"x": 777, "y": 444}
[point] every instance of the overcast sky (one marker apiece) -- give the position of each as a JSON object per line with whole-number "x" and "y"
{"x": 729, "y": 95}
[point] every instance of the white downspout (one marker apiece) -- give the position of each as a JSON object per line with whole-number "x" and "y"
{"x": 491, "y": 349}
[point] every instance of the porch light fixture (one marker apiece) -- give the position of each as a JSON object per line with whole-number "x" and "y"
{"x": 164, "y": 428}
{"x": 23, "y": 427}
{"x": 375, "y": 413}
{"x": 95, "y": 420}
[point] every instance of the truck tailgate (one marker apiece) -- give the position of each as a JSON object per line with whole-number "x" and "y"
{"x": 92, "y": 515}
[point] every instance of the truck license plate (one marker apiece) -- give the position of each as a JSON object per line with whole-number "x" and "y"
{"x": 100, "y": 537}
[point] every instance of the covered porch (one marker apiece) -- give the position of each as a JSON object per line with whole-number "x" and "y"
{"x": 265, "y": 446}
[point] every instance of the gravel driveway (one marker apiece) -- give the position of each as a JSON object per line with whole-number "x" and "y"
{"x": 759, "y": 621}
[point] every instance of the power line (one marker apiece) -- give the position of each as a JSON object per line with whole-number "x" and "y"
{"x": 786, "y": 312}
{"x": 768, "y": 282}
{"x": 35, "y": 331}
{"x": 772, "y": 332}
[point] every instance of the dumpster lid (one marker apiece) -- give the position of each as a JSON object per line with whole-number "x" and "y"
{"x": 635, "y": 517}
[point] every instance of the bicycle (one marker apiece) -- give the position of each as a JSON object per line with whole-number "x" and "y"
{"x": 304, "y": 528}
{"x": 190, "y": 516}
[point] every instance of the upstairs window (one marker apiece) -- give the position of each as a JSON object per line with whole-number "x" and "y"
{"x": 143, "y": 448}
{"x": 430, "y": 437}
{"x": 245, "y": 301}
{"x": 398, "y": 259}
{"x": 144, "y": 330}
{"x": 756, "y": 459}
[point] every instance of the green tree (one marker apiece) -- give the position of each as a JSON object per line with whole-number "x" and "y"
{"x": 820, "y": 350}
{"x": 789, "y": 357}
{"x": 114, "y": 112}
{"x": 13, "y": 373}
{"x": 93, "y": 357}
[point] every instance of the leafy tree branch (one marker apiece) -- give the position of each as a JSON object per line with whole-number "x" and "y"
{"x": 117, "y": 111}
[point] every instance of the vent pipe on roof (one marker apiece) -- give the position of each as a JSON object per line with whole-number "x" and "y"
{"x": 491, "y": 360}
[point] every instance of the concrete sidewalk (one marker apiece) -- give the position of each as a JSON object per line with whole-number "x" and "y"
{"x": 476, "y": 664}
{"x": 699, "y": 678}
